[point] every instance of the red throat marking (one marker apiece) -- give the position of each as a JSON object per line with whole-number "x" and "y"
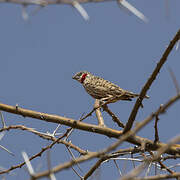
{"x": 83, "y": 77}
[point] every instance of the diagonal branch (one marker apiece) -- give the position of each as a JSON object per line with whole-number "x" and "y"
{"x": 109, "y": 156}
{"x": 114, "y": 117}
{"x": 150, "y": 81}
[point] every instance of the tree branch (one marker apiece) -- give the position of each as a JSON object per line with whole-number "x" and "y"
{"x": 94, "y": 128}
{"x": 147, "y": 85}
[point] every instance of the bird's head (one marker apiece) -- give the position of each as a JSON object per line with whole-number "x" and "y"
{"x": 81, "y": 76}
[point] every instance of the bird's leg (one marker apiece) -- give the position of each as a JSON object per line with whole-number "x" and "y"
{"x": 97, "y": 107}
{"x": 111, "y": 99}
{"x": 107, "y": 100}
{"x": 114, "y": 117}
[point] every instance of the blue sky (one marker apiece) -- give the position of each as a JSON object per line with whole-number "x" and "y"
{"x": 39, "y": 57}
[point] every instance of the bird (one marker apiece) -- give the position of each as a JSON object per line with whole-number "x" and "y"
{"x": 102, "y": 89}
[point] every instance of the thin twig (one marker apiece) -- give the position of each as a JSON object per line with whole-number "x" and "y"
{"x": 156, "y": 139}
{"x": 5, "y": 149}
{"x": 132, "y": 174}
{"x": 163, "y": 166}
{"x": 93, "y": 168}
{"x": 113, "y": 155}
{"x": 73, "y": 157}
{"x": 120, "y": 173}
{"x": 69, "y": 144}
{"x": 114, "y": 117}
{"x": 44, "y": 136}
{"x": 174, "y": 80}
{"x": 2, "y": 147}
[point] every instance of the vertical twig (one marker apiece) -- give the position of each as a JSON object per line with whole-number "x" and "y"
{"x": 2, "y": 119}
{"x": 156, "y": 138}
{"x": 98, "y": 113}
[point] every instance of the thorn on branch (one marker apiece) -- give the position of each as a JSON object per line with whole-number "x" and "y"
{"x": 177, "y": 45}
{"x": 17, "y": 107}
{"x": 17, "y": 110}
{"x": 2, "y": 147}
{"x": 28, "y": 164}
{"x": 2, "y": 119}
{"x": 81, "y": 10}
{"x": 132, "y": 9}
{"x": 25, "y": 15}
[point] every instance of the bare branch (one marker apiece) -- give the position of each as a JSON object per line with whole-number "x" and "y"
{"x": 150, "y": 81}
{"x": 114, "y": 117}
{"x": 165, "y": 167}
{"x": 110, "y": 156}
{"x": 45, "y": 136}
{"x": 94, "y": 167}
{"x": 156, "y": 139}
{"x": 93, "y": 128}
{"x": 69, "y": 144}
{"x": 76, "y": 4}
{"x": 98, "y": 113}
{"x": 95, "y": 154}
{"x": 148, "y": 160}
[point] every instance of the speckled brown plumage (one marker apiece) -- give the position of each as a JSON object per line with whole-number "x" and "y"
{"x": 102, "y": 89}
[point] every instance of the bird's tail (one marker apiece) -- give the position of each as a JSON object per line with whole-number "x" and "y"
{"x": 132, "y": 95}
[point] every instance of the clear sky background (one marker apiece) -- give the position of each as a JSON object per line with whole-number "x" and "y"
{"x": 38, "y": 58}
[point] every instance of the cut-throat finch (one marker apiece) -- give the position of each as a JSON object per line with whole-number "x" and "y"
{"x": 102, "y": 89}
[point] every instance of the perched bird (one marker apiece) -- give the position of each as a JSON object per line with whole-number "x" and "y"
{"x": 102, "y": 89}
